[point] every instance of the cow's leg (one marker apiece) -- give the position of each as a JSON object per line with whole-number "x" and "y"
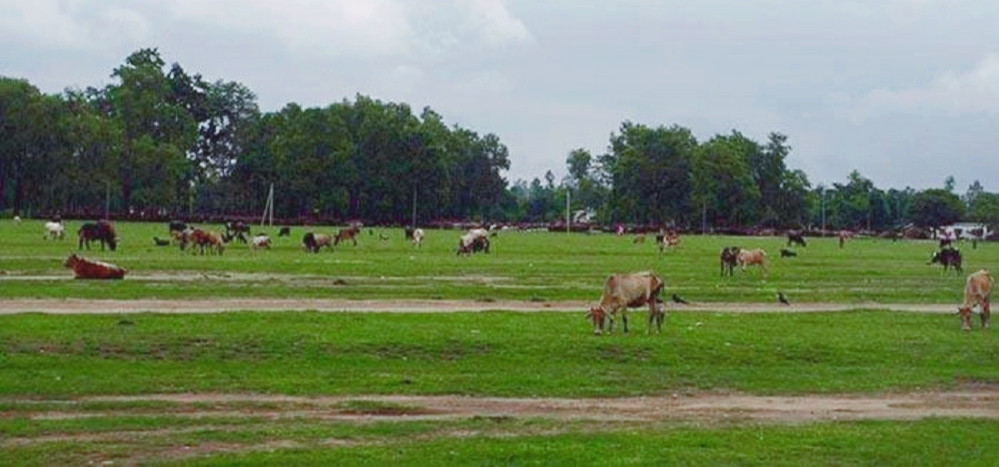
{"x": 986, "y": 314}
{"x": 624, "y": 319}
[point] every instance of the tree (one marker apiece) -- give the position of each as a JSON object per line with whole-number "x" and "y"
{"x": 936, "y": 207}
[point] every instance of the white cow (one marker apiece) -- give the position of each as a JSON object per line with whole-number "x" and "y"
{"x": 418, "y": 237}
{"x": 55, "y": 230}
{"x": 260, "y": 241}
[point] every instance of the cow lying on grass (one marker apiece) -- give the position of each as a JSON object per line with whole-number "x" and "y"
{"x": 623, "y": 291}
{"x": 977, "y": 291}
{"x": 89, "y": 269}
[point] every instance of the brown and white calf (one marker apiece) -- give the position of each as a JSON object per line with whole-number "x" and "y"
{"x": 260, "y": 241}
{"x": 756, "y": 256}
{"x": 623, "y": 291}
{"x": 977, "y": 291}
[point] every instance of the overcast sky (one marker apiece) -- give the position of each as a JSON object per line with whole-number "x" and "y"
{"x": 904, "y": 91}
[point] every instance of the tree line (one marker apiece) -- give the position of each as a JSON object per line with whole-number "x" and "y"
{"x": 159, "y": 142}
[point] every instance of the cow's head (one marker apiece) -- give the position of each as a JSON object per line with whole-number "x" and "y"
{"x": 598, "y": 317}
{"x": 112, "y": 243}
{"x": 965, "y": 312}
{"x": 936, "y": 257}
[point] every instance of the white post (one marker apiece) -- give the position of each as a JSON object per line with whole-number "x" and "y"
{"x": 268, "y": 208}
{"x": 568, "y": 212}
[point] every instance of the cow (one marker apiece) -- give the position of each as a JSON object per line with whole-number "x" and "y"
{"x": 729, "y": 259}
{"x": 948, "y": 257}
{"x": 89, "y": 269}
{"x": 669, "y": 239}
{"x": 55, "y": 230}
{"x": 176, "y": 226}
{"x": 101, "y": 231}
{"x": 348, "y": 234}
{"x": 623, "y": 291}
{"x": 205, "y": 241}
{"x": 756, "y": 256}
{"x": 796, "y": 237}
{"x": 260, "y": 241}
{"x": 844, "y": 235}
{"x": 417, "y": 237}
{"x": 786, "y": 253}
{"x": 17, "y": 220}
{"x": 474, "y": 241}
{"x": 284, "y": 231}
{"x": 977, "y": 291}
{"x": 312, "y": 242}
{"x": 237, "y": 230}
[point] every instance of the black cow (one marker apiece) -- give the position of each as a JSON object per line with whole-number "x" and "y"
{"x": 729, "y": 259}
{"x": 284, "y": 232}
{"x": 796, "y": 237}
{"x": 948, "y": 257}
{"x": 785, "y": 253}
{"x": 101, "y": 231}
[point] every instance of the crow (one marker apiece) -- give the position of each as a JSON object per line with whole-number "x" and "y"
{"x": 679, "y": 299}
{"x": 782, "y": 299}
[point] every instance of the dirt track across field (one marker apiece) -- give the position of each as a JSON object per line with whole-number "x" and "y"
{"x": 80, "y": 306}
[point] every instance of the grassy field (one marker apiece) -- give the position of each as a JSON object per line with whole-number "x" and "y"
{"x": 521, "y": 266}
{"x": 55, "y": 368}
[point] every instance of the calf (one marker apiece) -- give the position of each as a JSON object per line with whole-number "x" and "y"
{"x": 260, "y": 241}
{"x": 55, "y": 230}
{"x": 669, "y": 240}
{"x": 312, "y": 242}
{"x": 88, "y": 269}
{"x": 729, "y": 259}
{"x": 284, "y": 232}
{"x": 948, "y": 257}
{"x": 417, "y": 237}
{"x": 754, "y": 257}
{"x": 623, "y": 291}
{"x": 977, "y": 291}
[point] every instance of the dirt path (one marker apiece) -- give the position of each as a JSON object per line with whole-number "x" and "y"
{"x": 74, "y": 306}
{"x": 976, "y": 403}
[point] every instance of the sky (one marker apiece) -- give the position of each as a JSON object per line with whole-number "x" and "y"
{"x": 906, "y": 92}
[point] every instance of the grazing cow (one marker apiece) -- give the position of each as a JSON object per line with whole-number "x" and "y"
{"x": 55, "y": 230}
{"x": 17, "y": 220}
{"x": 670, "y": 239}
{"x": 407, "y": 232}
{"x": 948, "y": 257}
{"x": 623, "y": 291}
{"x": 205, "y": 241}
{"x": 796, "y": 237}
{"x": 312, "y": 242}
{"x": 348, "y": 234}
{"x": 785, "y": 253}
{"x": 284, "y": 232}
{"x": 260, "y": 241}
{"x": 977, "y": 291}
{"x": 729, "y": 259}
{"x": 90, "y": 269}
{"x": 101, "y": 231}
{"x": 756, "y": 256}
{"x": 474, "y": 241}
{"x": 417, "y": 237}
{"x": 237, "y": 230}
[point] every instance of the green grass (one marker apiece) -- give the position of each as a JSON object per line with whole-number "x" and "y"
{"x": 495, "y": 354}
{"x": 522, "y": 266}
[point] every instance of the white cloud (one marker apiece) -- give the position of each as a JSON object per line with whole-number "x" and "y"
{"x": 71, "y": 24}
{"x": 975, "y": 91}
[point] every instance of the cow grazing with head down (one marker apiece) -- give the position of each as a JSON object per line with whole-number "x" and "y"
{"x": 474, "y": 241}
{"x": 101, "y": 231}
{"x": 754, "y": 257}
{"x": 796, "y": 237}
{"x": 623, "y": 291}
{"x": 668, "y": 240}
{"x": 89, "y": 269}
{"x": 312, "y": 242}
{"x": 417, "y": 237}
{"x": 260, "y": 241}
{"x": 729, "y": 258}
{"x": 948, "y": 257}
{"x": 55, "y": 230}
{"x": 977, "y": 291}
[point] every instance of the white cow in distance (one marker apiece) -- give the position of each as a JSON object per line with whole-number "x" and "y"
{"x": 54, "y": 230}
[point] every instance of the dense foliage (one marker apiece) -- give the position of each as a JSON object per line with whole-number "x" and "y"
{"x": 160, "y": 142}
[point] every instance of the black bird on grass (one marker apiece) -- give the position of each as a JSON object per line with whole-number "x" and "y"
{"x": 782, "y": 299}
{"x": 679, "y": 299}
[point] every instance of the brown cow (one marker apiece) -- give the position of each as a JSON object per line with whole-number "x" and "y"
{"x": 977, "y": 291}
{"x": 756, "y": 256}
{"x": 348, "y": 234}
{"x": 623, "y": 291}
{"x": 101, "y": 231}
{"x": 312, "y": 242}
{"x": 89, "y": 269}
{"x": 205, "y": 241}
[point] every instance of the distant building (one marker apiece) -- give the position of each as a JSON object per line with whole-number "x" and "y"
{"x": 963, "y": 231}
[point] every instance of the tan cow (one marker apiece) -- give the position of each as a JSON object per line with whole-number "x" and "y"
{"x": 977, "y": 291}
{"x": 623, "y": 291}
{"x": 756, "y": 256}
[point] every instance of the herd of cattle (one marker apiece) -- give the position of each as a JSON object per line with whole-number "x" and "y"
{"x": 620, "y": 292}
